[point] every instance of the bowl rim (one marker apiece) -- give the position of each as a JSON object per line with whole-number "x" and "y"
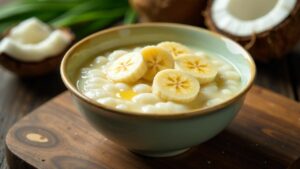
{"x": 186, "y": 114}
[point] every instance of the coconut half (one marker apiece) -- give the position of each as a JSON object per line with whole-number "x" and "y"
{"x": 267, "y": 29}
{"x": 33, "y": 48}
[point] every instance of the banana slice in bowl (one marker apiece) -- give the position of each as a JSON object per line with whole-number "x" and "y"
{"x": 157, "y": 59}
{"x": 128, "y": 68}
{"x": 175, "y": 85}
{"x": 198, "y": 67}
{"x": 176, "y": 49}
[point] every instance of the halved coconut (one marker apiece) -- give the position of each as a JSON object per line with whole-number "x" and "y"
{"x": 26, "y": 69}
{"x": 266, "y": 28}
{"x": 33, "y": 48}
{"x": 170, "y": 10}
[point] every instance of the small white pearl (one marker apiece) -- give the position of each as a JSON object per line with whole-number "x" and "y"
{"x": 209, "y": 90}
{"x": 96, "y": 94}
{"x": 122, "y": 107}
{"x": 101, "y": 60}
{"x": 145, "y": 98}
{"x": 122, "y": 86}
{"x": 233, "y": 88}
{"x": 226, "y": 92}
{"x": 231, "y": 83}
{"x": 231, "y": 75}
{"x": 201, "y": 55}
{"x": 142, "y": 88}
{"x": 169, "y": 107}
{"x": 90, "y": 94}
{"x": 162, "y": 107}
{"x": 90, "y": 86}
{"x": 214, "y": 101}
{"x": 179, "y": 107}
{"x": 85, "y": 70}
{"x": 116, "y": 54}
{"x": 98, "y": 80}
{"x": 148, "y": 109}
{"x": 96, "y": 73}
{"x": 105, "y": 68}
{"x": 110, "y": 88}
{"x": 109, "y": 101}
{"x": 137, "y": 49}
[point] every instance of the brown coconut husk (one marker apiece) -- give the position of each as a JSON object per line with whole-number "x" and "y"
{"x": 30, "y": 69}
{"x": 170, "y": 10}
{"x": 270, "y": 44}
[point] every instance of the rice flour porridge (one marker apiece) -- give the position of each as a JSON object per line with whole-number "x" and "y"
{"x": 163, "y": 78}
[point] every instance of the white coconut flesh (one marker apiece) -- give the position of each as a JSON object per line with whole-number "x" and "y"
{"x": 33, "y": 41}
{"x": 248, "y": 17}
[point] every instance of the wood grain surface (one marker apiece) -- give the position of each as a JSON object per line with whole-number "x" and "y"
{"x": 265, "y": 135}
{"x": 19, "y": 97}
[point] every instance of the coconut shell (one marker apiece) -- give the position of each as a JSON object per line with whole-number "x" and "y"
{"x": 267, "y": 45}
{"x": 187, "y": 11}
{"x": 30, "y": 69}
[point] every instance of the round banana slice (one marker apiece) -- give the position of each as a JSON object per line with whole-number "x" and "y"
{"x": 175, "y": 85}
{"x": 128, "y": 68}
{"x": 198, "y": 67}
{"x": 176, "y": 49}
{"x": 157, "y": 59}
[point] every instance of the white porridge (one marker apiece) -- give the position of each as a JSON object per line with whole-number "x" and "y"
{"x": 163, "y": 78}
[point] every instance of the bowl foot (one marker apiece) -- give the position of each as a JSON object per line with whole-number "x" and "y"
{"x": 161, "y": 153}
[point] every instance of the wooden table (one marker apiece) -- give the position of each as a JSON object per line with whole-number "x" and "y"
{"x": 20, "y": 96}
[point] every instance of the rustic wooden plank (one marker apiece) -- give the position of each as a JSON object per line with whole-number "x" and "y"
{"x": 265, "y": 135}
{"x": 275, "y": 76}
{"x": 20, "y": 96}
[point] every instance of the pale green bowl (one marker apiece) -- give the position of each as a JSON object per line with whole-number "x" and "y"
{"x": 157, "y": 135}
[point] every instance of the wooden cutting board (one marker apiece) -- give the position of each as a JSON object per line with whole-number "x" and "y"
{"x": 264, "y": 135}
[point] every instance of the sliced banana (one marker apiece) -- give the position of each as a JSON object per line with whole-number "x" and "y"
{"x": 200, "y": 68}
{"x": 175, "y": 85}
{"x": 176, "y": 49}
{"x": 157, "y": 59}
{"x": 128, "y": 68}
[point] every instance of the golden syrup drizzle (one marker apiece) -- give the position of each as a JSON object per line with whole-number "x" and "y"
{"x": 126, "y": 94}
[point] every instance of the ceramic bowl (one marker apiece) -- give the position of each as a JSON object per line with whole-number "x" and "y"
{"x": 149, "y": 134}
